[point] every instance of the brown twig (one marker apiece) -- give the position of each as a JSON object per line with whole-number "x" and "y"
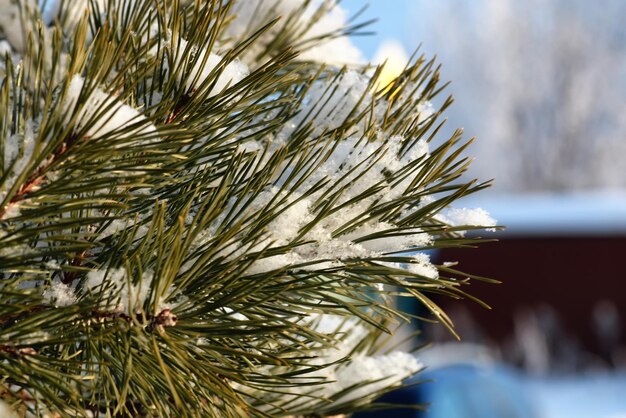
{"x": 68, "y": 277}
{"x": 17, "y": 351}
{"x": 38, "y": 177}
{"x": 165, "y": 318}
{"x": 184, "y": 99}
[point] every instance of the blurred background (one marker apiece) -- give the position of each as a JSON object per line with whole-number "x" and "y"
{"x": 542, "y": 84}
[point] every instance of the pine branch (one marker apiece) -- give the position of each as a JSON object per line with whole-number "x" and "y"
{"x": 198, "y": 218}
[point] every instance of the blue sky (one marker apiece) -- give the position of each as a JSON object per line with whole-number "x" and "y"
{"x": 394, "y": 21}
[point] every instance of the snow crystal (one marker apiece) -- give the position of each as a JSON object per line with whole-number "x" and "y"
{"x": 52, "y": 265}
{"x": 289, "y": 222}
{"x": 468, "y": 217}
{"x": 339, "y": 249}
{"x": 113, "y": 286}
{"x": 386, "y": 370}
{"x": 419, "y": 150}
{"x": 207, "y": 62}
{"x": 19, "y": 148}
{"x": 294, "y": 212}
{"x": 330, "y": 104}
{"x": 60, "y": 294}
{"x": 426, "y": 110}
{"x": 349, "y": 332}
{"x": 275, "y": 262}
{"x": 103, "y": 114}
{"x": 18, "y": 153}
{"x": 419, "y": 264}
{"x": 422, "y": 266}
{"x": 413, "y": 238}
{"x": 338, "y": 50}
{"x": 115, "y": 226}
{"x": 353, "y": 167}
{"x": 234, "y": 315}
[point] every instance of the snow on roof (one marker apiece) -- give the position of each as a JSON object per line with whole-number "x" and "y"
{"x": 541, "y": 214}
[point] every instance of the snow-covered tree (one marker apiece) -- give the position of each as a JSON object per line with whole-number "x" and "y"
{"x": 206, "y": 210}
{"x": 542, "y": 82}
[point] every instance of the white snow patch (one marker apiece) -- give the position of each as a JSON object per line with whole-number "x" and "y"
{"x": 391, "y": 369}
{"x": 207, "y": 62}
{"x": 275, "y": 262}
{"x": 419, "y": 264}
{"x": 60, "y": 294}
{"x": 422, "y": 266}
{"x": 353, "y": 167}
{"x": 338, "y": 50}
{"x": 330, "y": 104}
{"x": 468, "y": 217}
{"x": 19, "y": 148}
{"x": 5, "y": 48}
{"x": 116, "y": 291}
{"x": 103, "y": 114}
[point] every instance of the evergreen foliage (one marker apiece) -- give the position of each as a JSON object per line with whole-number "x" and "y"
{"x": 200, "y": 219}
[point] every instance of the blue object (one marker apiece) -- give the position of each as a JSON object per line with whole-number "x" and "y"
{"x": 461, "y": 391}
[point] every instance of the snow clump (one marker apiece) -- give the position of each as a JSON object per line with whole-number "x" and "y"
{"x": 476, "y": 217}
{"x": 102, "y": 114}
{"x": 338, "y": 49}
